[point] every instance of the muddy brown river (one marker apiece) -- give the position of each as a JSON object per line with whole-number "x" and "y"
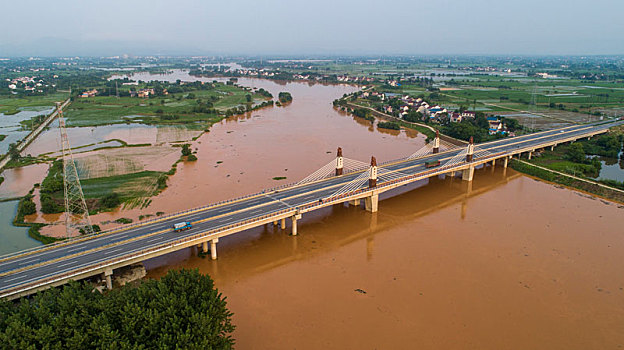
{"x": 505, "y": 263}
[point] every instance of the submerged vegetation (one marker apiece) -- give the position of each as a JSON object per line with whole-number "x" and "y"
{"x": 389, "y": 125}
{"x": 284, "y": 97}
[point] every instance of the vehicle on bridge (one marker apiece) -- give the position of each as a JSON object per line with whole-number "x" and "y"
{"x": 432, "y": 164}
{"x": 181, "y": 226}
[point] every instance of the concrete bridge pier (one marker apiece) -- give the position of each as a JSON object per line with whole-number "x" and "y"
{"x": 283, "y": 224}
{"x": 205, "y": 247}
{"x": 468, "y": 173}
{"x": 552, "y": 148}
{"x": 530, "y": 154}
{"x": 505, "y": 161}
{"x": 108, "y": 273}
{"x": 355, "y": 202}
{"x": 372, "y": 203}
{"x": 213, "y": 248}
{"x": 275, "y": 223}
{"x": 294, "y": 223}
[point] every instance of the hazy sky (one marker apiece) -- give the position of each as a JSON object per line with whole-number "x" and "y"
{"x": 63, "y": 27}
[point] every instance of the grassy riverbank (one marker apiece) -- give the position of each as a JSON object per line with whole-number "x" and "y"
{"x": 573, "y": 165}
{"x": 568, "y": 180}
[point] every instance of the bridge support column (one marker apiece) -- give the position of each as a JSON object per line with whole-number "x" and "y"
{"x": 372, "y": 173}
{"x": 436, "y": 142}
{"x": 107, "y": 276}
{"x": 552, "y": 148}
{"x": 468, "y": 173}
{"x": 493, "y": 163}
{"x": 505, "y": 162}
{"x": 213, "y": 248}
{"x": 294, "y": 223}
{"x": 205, "y": 247}
{"x": 355, "y": 202}
{"x": 339, "y": 162}
{"x": 372, "y": 203}
{"x": 470, "y": 150}
{"x": 530, "y": 154}
{"x": 275, "y": 223}
{"x": 283, "y": 224}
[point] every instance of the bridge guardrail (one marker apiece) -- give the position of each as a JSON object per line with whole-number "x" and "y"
{"x": 176, "y": 214}
{"x": 242, "y": 223}
{"x": 146, "y": 251}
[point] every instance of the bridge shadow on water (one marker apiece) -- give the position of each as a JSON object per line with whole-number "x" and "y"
{"x": 264, "y": 248}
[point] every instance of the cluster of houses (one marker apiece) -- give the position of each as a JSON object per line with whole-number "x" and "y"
{"x": 346, "y": 78}
{"x": 29, "y": 84}
{"x": 89, "y": 93}
{"x": 434, "y": 113}
{"x": 142, "y": 93}
{"x": 250, "y": 72}
{"x": 409, "y": 103}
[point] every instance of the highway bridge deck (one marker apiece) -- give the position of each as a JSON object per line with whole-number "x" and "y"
{"x": 35, "y": 269}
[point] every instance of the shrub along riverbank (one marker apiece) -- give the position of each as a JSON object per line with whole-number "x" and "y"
{"x": 26, "y": 206}
{"x": 567, "y": 180}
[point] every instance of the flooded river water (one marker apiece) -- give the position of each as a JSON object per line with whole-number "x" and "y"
{"x": 505, "y": 263}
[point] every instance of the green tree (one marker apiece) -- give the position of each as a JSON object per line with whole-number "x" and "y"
{"x": 413, "y": 116}
{"x": 13, "y": 151}
{"x": 26, "y": 207}
{"x": 162, "y": 181}
{"x": 575, "y": 153}
{"x": 186, "y": 149}
{"x": 284, "y": 97}
{"x": 182, "y": 310}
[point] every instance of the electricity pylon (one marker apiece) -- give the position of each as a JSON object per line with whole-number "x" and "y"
{"x": 76, "y": 212}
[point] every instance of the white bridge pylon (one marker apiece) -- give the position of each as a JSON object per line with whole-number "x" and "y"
{"x": 469, "y": 153}
{"x": 430, "y": 148}
{"x": 341, "y": 165}
{"x": 338, "y": 166}
{"x": 379, "y": 174}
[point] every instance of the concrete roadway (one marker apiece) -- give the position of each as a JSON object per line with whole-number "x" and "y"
{"x": 21, "y": 269}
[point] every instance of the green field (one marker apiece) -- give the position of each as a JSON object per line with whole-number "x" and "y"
{"x": 173, "y": 109}
{"x": 11, "y": 105}
{"x": 131, "y": 189}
